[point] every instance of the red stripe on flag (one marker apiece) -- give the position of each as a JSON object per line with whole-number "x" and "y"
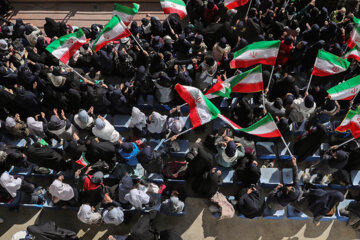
{"x": 186, "y": 96}
{"x": 72, "y": 50}
{"x": 356, "y": 57}
{"x": 217, "y": 87}
{"x": 353, "y": 127}
{"x": 235, "y": 63}
{"x": 236, "y": 4}
{"x": 351, "y": 43}
{"x": 228, "y": 121}
{"x": 124, "y": 34}
{"x": 248, "y": 87}
{"x": 174, "y": 10}
{"x": 321, "y": 73}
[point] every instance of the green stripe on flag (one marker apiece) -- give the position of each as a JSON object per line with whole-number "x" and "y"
{"x": 179, "y": 2}
{"x": 213, "y": 110}
{"x": 59, "y": 42}
{"x": 343, "y": 63}
{"x": 258, "y": 45}
{"x": 128, "y": 10}
{"x": 242, "y": 76}
{"x": 352, "y": 82}
{"x": 258, "y": 124}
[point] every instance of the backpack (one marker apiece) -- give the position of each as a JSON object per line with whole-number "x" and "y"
{"x": 175, "y": 169}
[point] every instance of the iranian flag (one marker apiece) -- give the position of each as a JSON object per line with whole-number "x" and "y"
{"x": 174, "y": 6}
{"x": 66, "y": 46}
{"x": 201, "y": 109}
{"x": 247, "y": 82}
{"x": 327, "y": 64}
{"x": 230, "y": 4}
{"x": 264, "y": 52}
{"x": 127, "y": 14}
{"x": 351, "y": 122}
{"x": 353, "y": 53}
{"x": 265, "y": 127}
{"x": 346, "y": 90}
{"x": 229, "y": 122}
{"x": 114, "y": 30}
{"x": 354, "y": 39}
{"x": 82, "y": 160}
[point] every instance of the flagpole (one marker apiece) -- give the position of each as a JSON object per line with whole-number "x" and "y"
{"x": 177, "y": 135}
{"x": 263, "y": 97}
{"x": 122, "y": 23}
{"x": 82, "y": 77}
{"x": 307, "y": 88}
{"x": 248, "y": 9}
{"x": 272, "y": 71}
{"x": 282, "y": 138}
{"x": 352, "y": 139}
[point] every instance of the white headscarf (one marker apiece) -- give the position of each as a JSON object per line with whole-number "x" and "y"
{"x": 107, "y": 133}
{"x": 114, "y": 216}
{"x": 57, "y": 81}
{"x": 10, "y": 183}
{"x": 86, "y": 215}
{"x": 173, "y": 205}
{"x": 60, "y": 190}
{"x": 35, "y": 127}
{"x": 138, "y": 119}
{"x": 137, "y": 198}
{"x": 157, "y": 123}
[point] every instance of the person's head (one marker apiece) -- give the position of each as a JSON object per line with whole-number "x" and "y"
{"x": 210, "y": 4}
{"x": 209, "y": 60}
{"x": 222, "y": 42}
{"x": 97, "y": 178}
{"x": 278, "y": 103}
{"x": 83, "y": 116}
{"x": 198, "y": 39}
{"x": 309, "y": 101}
{"x": 340, "y": 155}
{"x": 10, "y": 122}
{"x": 99, "y": 124}
{"x": 3, "y": 156}
{"x": 127, "y": 147}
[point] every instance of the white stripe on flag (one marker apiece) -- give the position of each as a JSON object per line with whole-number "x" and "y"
{"x": 258, "y": 54}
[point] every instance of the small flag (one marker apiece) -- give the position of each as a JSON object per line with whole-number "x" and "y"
{"x": 353, "y": 53}
{"x": 264, "y": 52}
{"x": 351, "y": 122}
{"x": 246, "y": 82}
{"x": 229, "y": 122}
{"x": 66, "y": 46}
{"x": 127, "y": 14}
{"x": 354, "y": 39}
{"x": 201, "y": 109}
{"x": 174, "y": 6}
{"x": 82, "y": 160}
{"x": 114, "y": 30}
{"x": 346, "y": 90}
{"x": 327, "y": 64}
{"x": 231, "y": 4}
{"x": 265, "y": 128}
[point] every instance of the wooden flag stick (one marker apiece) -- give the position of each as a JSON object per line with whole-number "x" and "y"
{"x": 247, "y": 12}
{"x": 352, "y": 139}
{"x": 308, "y": 86}
{"x": 272, "y": 71}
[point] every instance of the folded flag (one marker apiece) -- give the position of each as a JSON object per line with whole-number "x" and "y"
{"x": 355, "y": 34}
{"x": 346, "y": 90}
{"x": 125, "y": 13}
{"x": 66, "y": 46}
{"x": 229, "y": 122}
{"x": 174, "y": 6}
{"x": 82, "y": 160}
{"x": 201, "y": 109}
{"x": 246, "y": 82}
{"x": 114, "y": 30}
{"x": 265, "y": 127}
{"x": 230, "y": 4}
{"x": 353, "y": 53}
{"x": 264, "y": 52}
{"x": 351, "y": 122}
{"x": 327, "y": 64}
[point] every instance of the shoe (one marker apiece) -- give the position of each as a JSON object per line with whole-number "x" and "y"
{"x": 1, "y": 220}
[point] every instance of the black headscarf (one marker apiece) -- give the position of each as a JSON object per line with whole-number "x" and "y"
{"x": 321, "y": 202}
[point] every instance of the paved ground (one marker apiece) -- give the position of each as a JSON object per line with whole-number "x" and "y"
{"x": 198, "y": 224}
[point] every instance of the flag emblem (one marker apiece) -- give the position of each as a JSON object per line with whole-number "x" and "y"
{"x": 335, "y": 69}
{"x": 253, "y": 54}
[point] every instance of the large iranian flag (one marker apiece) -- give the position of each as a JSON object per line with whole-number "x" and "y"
{"x": 125, "y": 13}
{"x": 230, "y": 4}
{"x": 327, "y": 64}
{"x": 351, "y": 122}
{"x": 346, "y": 90}
{"x": 353, "y": 53}
{"x": 201, "y": 109}
{"x": 246, "y": 82}
{"x": 264, "y": 52}
{"x": 114, "y": 30}
{"x": 265, "y": 127}
{"x": 66, "y": 46}
{"x": 174, "y": 6}
{"x": 355, "y": 34}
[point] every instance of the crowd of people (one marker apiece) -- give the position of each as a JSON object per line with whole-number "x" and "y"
{"x": 64, "y": 118}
